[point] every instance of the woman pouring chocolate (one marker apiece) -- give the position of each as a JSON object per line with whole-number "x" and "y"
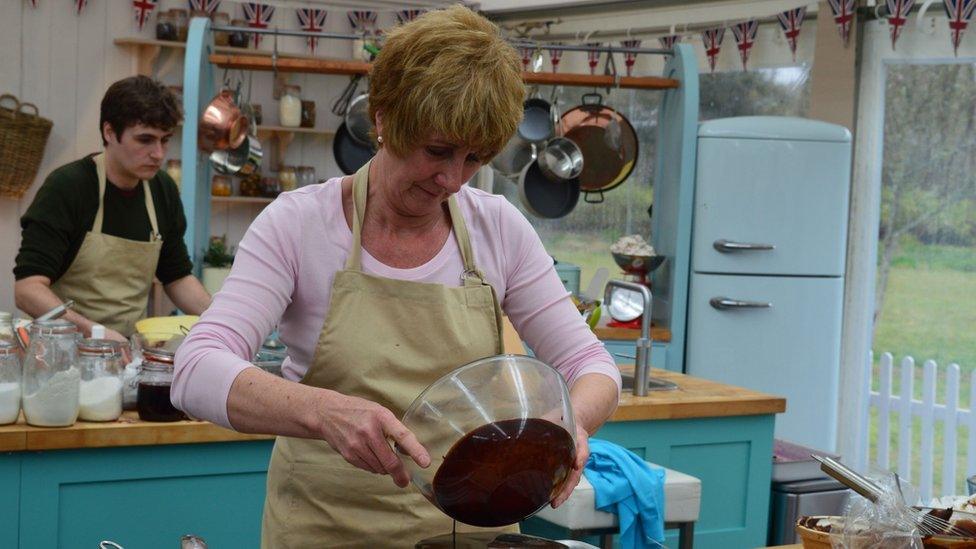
{"x": 382, "y": 282}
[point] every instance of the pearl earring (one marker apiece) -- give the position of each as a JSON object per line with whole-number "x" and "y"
{"x": 379, "y": 138}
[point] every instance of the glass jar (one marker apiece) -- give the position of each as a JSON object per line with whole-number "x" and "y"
{"x": 101, "y": 364}
{"x": 257, "y": 113}
{"x": 290, "y": 107}
{"x": 182, "y": 22}
{"x": 155, "y": 381}
{"x": 52, "y": 379}
{"x": 166, "y": 26}
{"x": 288, "y": 179}
{"x": 238, "y": 39}
{"x": 251, "y": 185}
{"x": 221, "y": 186}
{"x": 7, "y": 326}
{"x": 270, "y": 187}
{"x": 174, "y": 169}
{"x": 308, "y": 114}
{"x": 10, "y": 371}
{"x": 221, "y": 19}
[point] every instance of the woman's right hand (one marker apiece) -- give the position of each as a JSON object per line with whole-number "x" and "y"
{"x": 361, "y": 430}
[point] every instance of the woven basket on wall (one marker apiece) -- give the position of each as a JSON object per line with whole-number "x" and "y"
{"x": 23, "y": 136}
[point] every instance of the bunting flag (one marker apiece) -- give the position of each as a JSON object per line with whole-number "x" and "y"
{"x": 630, "y": 58}
{"x": 555, "y": 56}
{"x": 258, "y": 16}
{"x": 745, "y": 38}
{"x": 843, "y": 11}
{"x": 143, "y": 8}
{"x": 362, "y": 21}
{"x": 668, "y": 42}
{"x": 209, "y": 6}
{"x": 593, "y": 57}
{"x": 791, "y": 21}
{"x": 80, "y": 5}
{"x": 406, "y": 16}
{"x": 311, "y": 20}
{"x": 526, "y": 54}
{"x": 960, "y": 12}
{"x": 898, "y": 11}
{"x": 712, "y": 39}
{"x": 33, "y": 3}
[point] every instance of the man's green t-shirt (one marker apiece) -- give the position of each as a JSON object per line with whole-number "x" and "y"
{"x": 64, "y": 210}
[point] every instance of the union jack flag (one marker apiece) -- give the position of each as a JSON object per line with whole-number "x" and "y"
{"x": 791, "y": 21}
{"x": 208, "y": 6}
{"x": 712, "y": 39}
{"x": 258, "y": 16}
{"x": 898, "y": 11}
{"x": 142, "y": 10}
{"x": 362, "y": 21}
{"x": 406, "y": 16}
{"x": 745, "y": 38}
{"x": 526, "y": 54}
{"x": 555, "y": 56}
{"x": 959, "y": 12}
{"x": 593, "y": 57}
{"x": 668, "y": 42}
{"x": 80, "y": 5}
{"x": 630, "y": 58}
{"x": 843, "y": 11}
{"x": 33, "y": 3}
{"x": 311, "y": 20}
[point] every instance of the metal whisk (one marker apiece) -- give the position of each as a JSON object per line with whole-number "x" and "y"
{"x": 927, "y": 525}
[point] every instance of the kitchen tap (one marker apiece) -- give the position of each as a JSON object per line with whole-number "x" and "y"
{"x": 642, "y": 364}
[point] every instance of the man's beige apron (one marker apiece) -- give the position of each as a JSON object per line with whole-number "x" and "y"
{"x": 110, "y": 278}
{"x": 383, "y": 340}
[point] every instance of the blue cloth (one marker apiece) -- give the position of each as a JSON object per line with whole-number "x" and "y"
{"x": 625, "y": 484}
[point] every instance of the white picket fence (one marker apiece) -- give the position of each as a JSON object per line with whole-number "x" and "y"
{"x": 896, "y": 412}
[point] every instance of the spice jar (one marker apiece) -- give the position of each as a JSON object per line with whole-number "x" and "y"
{"x": 166, "y": 26}
{"x": 221, "y": 19}
{"x": 238, "y": 39}
{"x": 308, "y": 114}
{"x": 288, "y": 179}
{"x": 52, "y": 379}
{"x": 290, "y": 107}
{"x": 221, "y": 186}
{"x": 9, "y": 381}
{"x": 155, "y": 382}
{"x": 182, "y": 22}
{"x": 174, "y": 169}
{"x": 101, "y": 365}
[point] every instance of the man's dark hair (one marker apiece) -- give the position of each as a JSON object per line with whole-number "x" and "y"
{"x": 138, "y": 100}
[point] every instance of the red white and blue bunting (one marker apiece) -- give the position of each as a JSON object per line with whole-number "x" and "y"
{"x": 258, "y": 16}
{"x": 526, "y": 55}
{"x": 593, "y": 56}
{"x": 791, "y": 21}
{"x": 668, "y": 42}
{"x": 898, "y": 11}
{"x": 406, "y": 16}
{"x": 362, "y": 21}
{"x": 555, "y": 56}
{"x": 80, "y": 5}
{"x": 209, "y": 6}
{"x": 311, "y": 20}
{"x": 745, "y": 38}
{"x": 712, "y": 39}
{"x": 630, "y": 58}
{"x": 843, "y": 11}
{"x": 960, "y": 12}
{"x": 143, "y": 9}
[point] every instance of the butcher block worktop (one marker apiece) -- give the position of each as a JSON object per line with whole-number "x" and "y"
{"x": 695, "y": 398}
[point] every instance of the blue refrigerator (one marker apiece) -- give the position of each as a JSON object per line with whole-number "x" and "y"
{"x": 768, "y": 252}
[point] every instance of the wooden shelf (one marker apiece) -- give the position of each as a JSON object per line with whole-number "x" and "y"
{"x": 286, "y": 129}
{"x": 241, "y": 199}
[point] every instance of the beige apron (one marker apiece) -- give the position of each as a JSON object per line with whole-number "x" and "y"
{"x": 110, "y": 278}
{"x": 383, "y": 340}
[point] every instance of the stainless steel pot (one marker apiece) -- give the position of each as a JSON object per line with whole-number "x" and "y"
{"x": 244, "y": 160}
{"x": 544, "y": 197}
{"x": 561, "y": 159}
{"x": 517, "y": 154}
{"x": 537, "y": 124}
{"x": 357, "y": 120}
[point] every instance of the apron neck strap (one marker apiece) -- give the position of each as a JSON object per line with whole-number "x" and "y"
{"x": 360, "y": 187}
{"x": 99, "y": 160}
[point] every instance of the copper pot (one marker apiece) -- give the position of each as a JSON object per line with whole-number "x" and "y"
{"x": 222, "y": 125}
{"x": 608, "y": 143}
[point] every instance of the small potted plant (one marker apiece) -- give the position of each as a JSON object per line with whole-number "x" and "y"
{"x": 217, "y": 260}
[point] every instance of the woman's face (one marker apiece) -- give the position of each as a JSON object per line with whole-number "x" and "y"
{"x": 424, "y": 179}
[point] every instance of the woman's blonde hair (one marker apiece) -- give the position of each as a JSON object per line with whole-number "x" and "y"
{"x": 447, "y": 72}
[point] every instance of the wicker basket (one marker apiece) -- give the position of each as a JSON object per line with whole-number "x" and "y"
{"x": 23, "y": 136}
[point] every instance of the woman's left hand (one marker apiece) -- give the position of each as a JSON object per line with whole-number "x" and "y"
{"x": 582, "y": 454}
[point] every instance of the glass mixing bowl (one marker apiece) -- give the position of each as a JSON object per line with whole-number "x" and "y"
{"x": 501, "y": 437}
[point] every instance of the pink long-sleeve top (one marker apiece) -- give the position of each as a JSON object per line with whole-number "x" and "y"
{"x": 283, "y": 273}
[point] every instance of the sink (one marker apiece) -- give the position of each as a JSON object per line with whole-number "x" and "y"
{"x": 653, "y": 383}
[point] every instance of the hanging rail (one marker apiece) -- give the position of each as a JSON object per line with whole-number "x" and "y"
{"x": 342, "y": 67}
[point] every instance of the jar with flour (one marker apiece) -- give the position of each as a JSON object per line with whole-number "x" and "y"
{"x": 52, "y": 378}
{"x": 101, "y": 364}
{"x": 9, "y": 381}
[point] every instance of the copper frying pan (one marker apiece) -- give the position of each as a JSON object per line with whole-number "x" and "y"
{"x": 608, "y": 143}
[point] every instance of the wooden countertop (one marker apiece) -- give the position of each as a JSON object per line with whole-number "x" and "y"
{"x": 603, "y": 331}
{"x": 695, "y": 398}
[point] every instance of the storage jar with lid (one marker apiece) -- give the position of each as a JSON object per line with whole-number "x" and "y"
{"x": 221, "y": 186}
{"x": 156, "y": 379}
{"x": 221, "y": 19}
{"x": 7, "y": 326}
{"x": 290, "y": 107}
{"x": 239, "y": 39}
{"x": 308, "y": 114}
{"x": 101, "y": 366}
{"x": 10, "y": 369}
{"x": 288, "y": 179}
{"x": 182, "y": 21}
{"x": 166, "y": 26}
{"x": 52, "y": 379}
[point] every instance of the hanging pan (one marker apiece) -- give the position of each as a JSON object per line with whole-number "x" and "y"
{"x": 544, "y": 197}
{"x": 608, "y": 143}
{"x": 350, "y": 155}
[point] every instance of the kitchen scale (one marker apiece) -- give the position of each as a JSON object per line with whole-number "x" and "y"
{"x": 624, "y": 306}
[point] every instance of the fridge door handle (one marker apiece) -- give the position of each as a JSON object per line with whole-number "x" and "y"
{"x": 725, "y": 303}
{"x": 726, "y": 246}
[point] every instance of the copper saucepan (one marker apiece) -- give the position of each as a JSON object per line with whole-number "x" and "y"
{"x": 607, "y": 140}
{"x": 222, "y": 125}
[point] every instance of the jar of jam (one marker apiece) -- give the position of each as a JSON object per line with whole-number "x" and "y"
{"x": 251, "y": 185}
{"x": 221, "y": 19}
{"x": 166, "y": 26}
{"x": 221, "y": 186}
{"x": 270, "y": 187}
{"x": 155, "y": 382}
{"x": 182, "y": 22}
{"x": 308, "y": 114}
{"x": 238, "y": 39}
